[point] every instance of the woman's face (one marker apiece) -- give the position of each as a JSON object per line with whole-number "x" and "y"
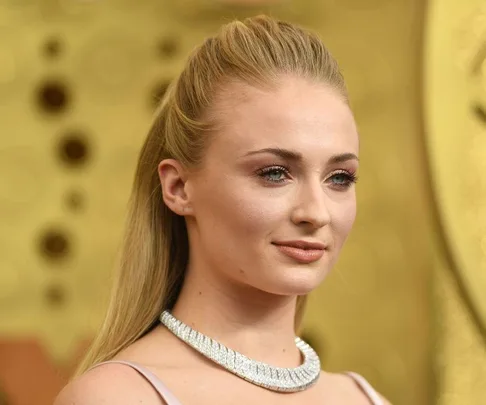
{"x": 277, "y": 178}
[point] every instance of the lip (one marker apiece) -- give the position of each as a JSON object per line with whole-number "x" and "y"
{"x": 302, "y": 244}
{"x": 302, "y": 251}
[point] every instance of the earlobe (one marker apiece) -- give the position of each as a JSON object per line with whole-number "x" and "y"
{"x": 172, "y": 178}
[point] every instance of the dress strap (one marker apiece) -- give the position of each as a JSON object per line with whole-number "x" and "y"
{"x": 366, "y": 388}
{"x": 158, "y": 385}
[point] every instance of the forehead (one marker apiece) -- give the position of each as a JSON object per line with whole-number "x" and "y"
{"x": 297, "y": 114}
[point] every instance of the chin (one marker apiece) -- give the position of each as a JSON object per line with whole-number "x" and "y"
{"x": 298, "y": 281}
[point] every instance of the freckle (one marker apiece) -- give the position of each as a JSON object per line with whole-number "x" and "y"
{"x": 284, "y": 350}
{"x": 242, "y": 271}
{"x": 200, "y": 293}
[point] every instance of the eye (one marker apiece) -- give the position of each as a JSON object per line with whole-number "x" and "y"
{"x": 274, "y": 174}
{"x": 343, "y": 179}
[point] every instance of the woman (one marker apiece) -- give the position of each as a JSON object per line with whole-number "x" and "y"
{"x": 243, "y": 197}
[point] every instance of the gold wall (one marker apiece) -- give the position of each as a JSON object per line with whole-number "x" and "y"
{"x": 455, "y": 116}
{"x": 78, "y": 84}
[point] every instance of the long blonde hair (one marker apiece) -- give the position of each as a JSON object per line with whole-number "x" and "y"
{"x": 155, "y": 247}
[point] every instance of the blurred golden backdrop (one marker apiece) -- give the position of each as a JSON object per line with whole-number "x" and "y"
{"x": 79, "y": 81}
{"x": 455, "y": 118}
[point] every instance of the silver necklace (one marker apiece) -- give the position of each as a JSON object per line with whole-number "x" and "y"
{"x": 262, "y": 374}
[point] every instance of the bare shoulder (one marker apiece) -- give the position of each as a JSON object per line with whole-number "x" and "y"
{"x": 109, "y": 384}
{"x": 349, "y": 391}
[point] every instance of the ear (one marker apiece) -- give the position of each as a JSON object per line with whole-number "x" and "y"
{"x": 173, "y": 177}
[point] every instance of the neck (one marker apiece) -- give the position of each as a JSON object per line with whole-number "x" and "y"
{"x": 255, "y": 323}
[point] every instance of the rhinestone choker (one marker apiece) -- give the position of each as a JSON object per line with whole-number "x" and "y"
{"x": 273, "y": 378}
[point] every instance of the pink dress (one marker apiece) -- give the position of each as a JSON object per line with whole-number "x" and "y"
{"x": 170, "y": 399}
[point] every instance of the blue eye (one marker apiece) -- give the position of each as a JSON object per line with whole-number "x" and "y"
{"x": 344, "y": 179}
{"x": 278, "y": 174}
{"x": 274, "y": 174}
{"x": 341, "y": 178}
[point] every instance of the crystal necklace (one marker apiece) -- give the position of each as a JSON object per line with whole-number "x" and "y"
{"x": 262, "y": 374}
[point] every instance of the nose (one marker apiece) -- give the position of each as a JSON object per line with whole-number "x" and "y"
{"x": 311, "y": 207}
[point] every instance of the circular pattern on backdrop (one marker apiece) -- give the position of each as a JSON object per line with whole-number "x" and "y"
{"x": 456, "y": 143}
{"x": 52, "y": 96}
{"x": 55, "y": 295}
{"x": 479, "y": 112}
{"x": 168, "y": 47}
{"x": 52, "y": 48}
{"x": 54, "y": 244}
{"x": 73, "y": 149}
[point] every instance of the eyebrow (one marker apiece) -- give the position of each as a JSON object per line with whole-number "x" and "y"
{"x": 297, "y": 157}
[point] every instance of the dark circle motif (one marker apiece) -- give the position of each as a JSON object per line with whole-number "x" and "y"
{"x": 168, "y": 47}
{"x": 52, "y": 48}
{"x": 53, "y": 97}
{"x": 55, "y": 295}
{"x": 480, "y": 113}
{"x": 73, "y": 149}
{"x": 54, "y": 244}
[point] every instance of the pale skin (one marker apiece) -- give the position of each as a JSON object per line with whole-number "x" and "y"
{"x": 240, "y": 289}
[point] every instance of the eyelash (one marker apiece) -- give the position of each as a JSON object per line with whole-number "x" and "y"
{"x": 349, "y": 177}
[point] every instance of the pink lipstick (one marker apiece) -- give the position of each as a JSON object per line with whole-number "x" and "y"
{"x": 302, "y": 251}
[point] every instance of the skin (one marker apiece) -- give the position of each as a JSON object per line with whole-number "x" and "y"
{"x": 240, "y": 288}
{"x": 234, "y": 211}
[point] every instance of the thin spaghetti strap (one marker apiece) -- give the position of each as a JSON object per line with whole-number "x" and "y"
{"x": 158, "y": 385}
{"x": 366, "y": 388}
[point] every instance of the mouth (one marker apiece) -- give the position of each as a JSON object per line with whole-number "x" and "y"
{"x": 302, "y": 251}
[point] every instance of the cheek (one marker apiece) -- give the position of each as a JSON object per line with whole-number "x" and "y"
{"x": 344, "y": 216}
{"x": 239, "y": 209}
{"x": 256, "y": 215}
